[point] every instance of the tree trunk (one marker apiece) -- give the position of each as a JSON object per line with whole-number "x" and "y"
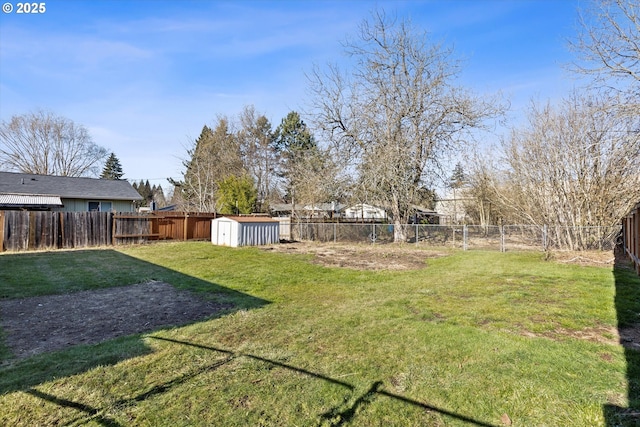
{"x": 399, "y": 232}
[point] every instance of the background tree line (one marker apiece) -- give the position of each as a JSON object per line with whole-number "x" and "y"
{"x": 244, "y": 165}
{"x": 385, "y": 128}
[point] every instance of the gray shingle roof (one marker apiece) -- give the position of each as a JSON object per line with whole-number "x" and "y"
{"x": 66, "y": 187}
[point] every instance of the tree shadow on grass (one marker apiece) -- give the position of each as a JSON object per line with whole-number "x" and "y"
{"x": 627, "y": 303}
{"x": 340, "y": 415}
{"x": 99, "y": 415}
{"x": 343, "y": 413}
{"x": 23, "y": 374}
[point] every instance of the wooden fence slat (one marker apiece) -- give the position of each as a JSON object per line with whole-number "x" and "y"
{"x": 631, "y": 236}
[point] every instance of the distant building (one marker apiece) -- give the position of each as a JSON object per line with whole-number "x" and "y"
{"x": 364, "y": 211}
{"x": 451, "y": 207}
{"x": 316, "y": 211}
{"x": 21, "y": 191}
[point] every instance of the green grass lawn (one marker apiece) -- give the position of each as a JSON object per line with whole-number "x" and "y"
{"x": 467, "y": 341}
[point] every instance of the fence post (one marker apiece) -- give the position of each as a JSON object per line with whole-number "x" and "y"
{"x": 453, "y": 228}
{"x": 600, "y": 238}
{"x": 186, "y": 226}
{"x": 464, "y": 237}
{"x": 502, "y": 248}
{"x": 113, "y": 229}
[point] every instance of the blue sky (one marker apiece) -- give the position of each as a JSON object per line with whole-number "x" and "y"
{"x": 144, "y": 76}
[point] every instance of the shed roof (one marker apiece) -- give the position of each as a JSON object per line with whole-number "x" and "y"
{"x": 249, "y": 219}
{"x": 66, "y": 187}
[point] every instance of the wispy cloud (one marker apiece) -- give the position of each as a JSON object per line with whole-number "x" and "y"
{"x": 145, "y": 76}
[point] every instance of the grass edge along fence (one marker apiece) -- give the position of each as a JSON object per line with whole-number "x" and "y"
{"x": 631, "y": 236}
{"x": 465, "y": 237}
{"x": 46, "y": 230}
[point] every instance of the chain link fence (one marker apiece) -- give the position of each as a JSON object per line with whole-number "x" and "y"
{"x": 466, "y": 237}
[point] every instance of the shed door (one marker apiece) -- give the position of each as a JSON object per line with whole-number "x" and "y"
{"x": 224, "y": 233}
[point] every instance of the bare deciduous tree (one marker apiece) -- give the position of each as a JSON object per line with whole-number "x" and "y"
{"x": 395, "y": 113}
{"x": 313, "y": 177}
{"x": 45, "y": 144}
{"x": 257, "y": 144}
{"x": 574, "y": 165}
{"x": 608, "y": 44}
{"x": 214, "y": 156}
{"x": 480, "y": 202}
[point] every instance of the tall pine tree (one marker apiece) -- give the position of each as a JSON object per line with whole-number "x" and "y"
{"x": 458, "y": 177}
{"x": 112, "y": 168}
{"x": 148, "y": 193}
{"x": 294, "y": 142}
{"x": 144, "y": 189}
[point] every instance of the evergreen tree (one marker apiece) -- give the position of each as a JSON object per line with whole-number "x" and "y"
{"x": 458, "y": 177}
{"x": 293, "y": 135}
{"x": 236, "y": 195}
{"x": 148, "y": 193}
{"x": 294, "y": 143}
{"x": 426, "y": 197}
{"x": 112, "y": 168}
{"x": 159, "y": 197}
{"x": 144, "y": 189}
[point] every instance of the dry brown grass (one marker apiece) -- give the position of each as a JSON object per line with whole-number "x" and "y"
{"x": 362, "y": 256}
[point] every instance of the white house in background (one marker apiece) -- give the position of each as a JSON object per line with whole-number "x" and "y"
{"x": 365, "y": 212}
{"x": 450, "y": 207}
{"x": 237, "y": 231}
{"x": 316, "y": 211}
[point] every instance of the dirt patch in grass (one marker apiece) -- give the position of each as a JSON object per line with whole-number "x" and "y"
{"x": 585, "y": 258}
{"x": 362, "y": 257}
{"x": 628, "y": 337}
{"x": 600, "y": 334}
{"x": 41, "y": 324}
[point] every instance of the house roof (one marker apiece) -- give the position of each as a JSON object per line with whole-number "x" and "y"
{"x": 360, "y": 206}
{"x": 287, "y": 207}
{"x": 28, "y": 200}
{"x": 66, "y": 187}
{"x": 281, "y": 207}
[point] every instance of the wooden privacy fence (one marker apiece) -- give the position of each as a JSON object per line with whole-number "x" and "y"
{"x": 21, "y": 230}
{"x": 132, "y": 227}
{"x": 631, "y": 236}
{"x": 53, "y": 230}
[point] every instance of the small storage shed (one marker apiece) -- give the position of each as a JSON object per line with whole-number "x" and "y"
{"x": 244, "y": 231}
